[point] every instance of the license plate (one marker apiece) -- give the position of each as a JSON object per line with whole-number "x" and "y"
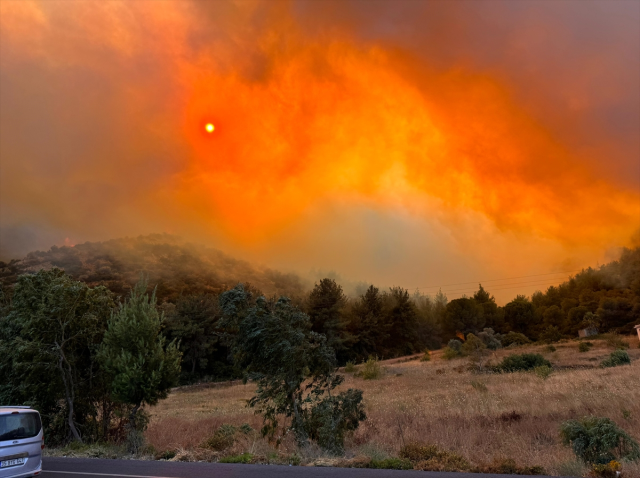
{"x": 7, "y": 463}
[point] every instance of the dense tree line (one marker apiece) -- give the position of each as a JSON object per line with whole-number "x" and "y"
{"x": 85, "y": 362}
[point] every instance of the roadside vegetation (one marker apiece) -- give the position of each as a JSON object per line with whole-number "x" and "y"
{"x": 495, "y": 422}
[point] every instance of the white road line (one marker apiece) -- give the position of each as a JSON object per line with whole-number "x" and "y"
{"x": 103, "y": 474}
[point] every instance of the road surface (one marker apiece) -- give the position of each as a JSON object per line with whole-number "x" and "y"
{"x": 94, "y": 468}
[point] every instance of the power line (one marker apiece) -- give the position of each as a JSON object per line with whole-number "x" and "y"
{"x": 501, "y": 286}
{"x": 495, "y": 280}
{"x": 464, "y": 291}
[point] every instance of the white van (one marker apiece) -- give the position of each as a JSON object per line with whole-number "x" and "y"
{"x": 21, "y": 442}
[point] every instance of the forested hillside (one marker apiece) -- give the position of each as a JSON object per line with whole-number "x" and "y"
{"x": 175, "y": 266}
{"x": 381, "y": 323}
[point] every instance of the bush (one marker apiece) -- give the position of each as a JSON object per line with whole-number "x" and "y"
{"x": 490, "y": 339}
{"x": 391, "y": 464}
{"x": 426, "y": 357}
{"x": 431, "y": 458}
{"x": 550, "y": 334}
{"x": 508, "y": 466}
{"x": 165, "y": 455}
{"x": 522, "y": 362}
{"x": 243, "y": 458}
{"x": 550, "y": 348}
{"x": 448, "y": 353}
{"x": 455, "y": 344}
{"x": 598, "y": 440}
{"x": 584, "y": 346}
{"x": 619, "y": 357}
{"x": 515, "y": 338}
{"x": 330, "y": 419}
{"x": 350, "y": 367}
{"x": 223, "y": 438}
{"x": 473, "y": 347}
{"x": 543, "y": 371}
{"x": 371, "y": 369}
{"x": 609, "y": 470}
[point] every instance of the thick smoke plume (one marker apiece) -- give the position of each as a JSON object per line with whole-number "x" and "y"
{"x": 399, "y": 142}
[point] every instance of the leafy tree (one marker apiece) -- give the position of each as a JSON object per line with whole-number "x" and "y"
{"x": 142, "y": 365}
{"x": 553, "y": 316}
{"x": 294, "y": 368}
{"x": 597, "y": 440}
{"x": 575, "y": 319}
{"x": 48, "y": 344}
{"x": 616, "y": 312}
{"x": 463, "y": 315}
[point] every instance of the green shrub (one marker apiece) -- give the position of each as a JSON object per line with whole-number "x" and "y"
{"x": 490, "y": 339}
{"x": 606, "y": 470}
{"x": 515, "y": 338}
{"x": 391, "y": 464}
{"x": 431, "y": 458}
{"x": 245, "y": 428}
{"x": 371, "y": 369}
{"x": 584, "y": 346}
{"x": 543, "y": 371}
{"x": 508, "y": 466}
{"x": 330, "y": 419}
{"x": 455, "y": 344}
{"x": 166, "y": 455}
{"x": 448, "y": 353}
{"x": 550, "y": 334}
{"x": 223, "y": 438}
{"x": 426, "y": 357}
{"x": 619, "y": 357}
{"x": 473, "y": 347}
{"x": 243, "y": 458}
{"x": 598, "y": 440}
{"x": 522, "y": 362}
{"x": 550, "y": 348}
{"x": 350, "y": 367}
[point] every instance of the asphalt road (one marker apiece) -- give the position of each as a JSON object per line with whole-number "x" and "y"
{"x": 90, "y": 468}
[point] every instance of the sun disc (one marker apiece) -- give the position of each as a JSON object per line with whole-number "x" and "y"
{"x": 209, "y": 127}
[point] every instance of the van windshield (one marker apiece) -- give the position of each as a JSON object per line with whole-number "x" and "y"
{"x": 18, "y": 426}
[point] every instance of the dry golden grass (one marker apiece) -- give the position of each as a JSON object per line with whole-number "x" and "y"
{"x": 516, "y": 416}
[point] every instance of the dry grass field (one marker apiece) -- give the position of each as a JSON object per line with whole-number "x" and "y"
{"x": 480, "y": 416}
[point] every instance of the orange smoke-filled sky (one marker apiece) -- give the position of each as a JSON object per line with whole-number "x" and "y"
{"x": 400, "y": 143}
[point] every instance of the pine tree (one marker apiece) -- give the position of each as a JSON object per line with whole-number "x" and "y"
{"x": 134, "y": 352}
